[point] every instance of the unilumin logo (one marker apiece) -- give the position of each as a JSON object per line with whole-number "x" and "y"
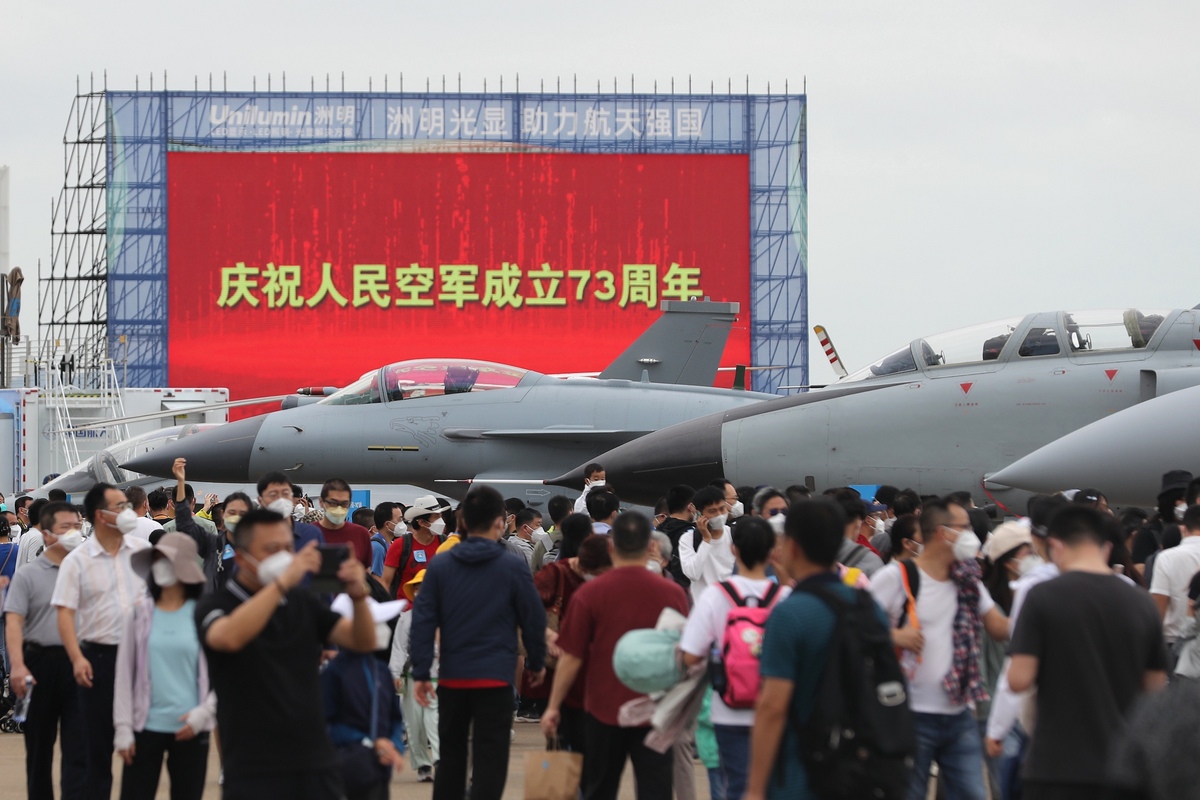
{"x": 253, "y": 115}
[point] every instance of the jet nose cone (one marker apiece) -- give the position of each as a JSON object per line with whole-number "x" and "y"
{"x": 643, "y": 470}
{"x": 1123, "y": 455}
{"x": 221, "y": 454}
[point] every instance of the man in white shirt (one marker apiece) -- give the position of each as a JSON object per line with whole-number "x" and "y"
{"x": 140, "y": 502}
{"x": 1173, "y": 571}
{"x": 31, "y": 544}
{"x": 705, "y": 629}
{"x": 707, "y": 555}
{"x": 96, "y": 590}
{"x": 946, "y": 571}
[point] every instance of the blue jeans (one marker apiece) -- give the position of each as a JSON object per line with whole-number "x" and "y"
{"x": 1011, "y": 761}
{"x": 733, "y": 747}
{"x": 953, "y": 741}
{"x": 716, "y": 784}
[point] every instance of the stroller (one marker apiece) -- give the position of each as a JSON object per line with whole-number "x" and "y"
{"x": 8, "y": 702}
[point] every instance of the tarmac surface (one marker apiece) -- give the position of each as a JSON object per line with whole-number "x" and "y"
{"x": 404, "y": 785}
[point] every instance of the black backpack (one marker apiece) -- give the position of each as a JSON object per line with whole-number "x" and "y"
{"x": 860, "y": 740}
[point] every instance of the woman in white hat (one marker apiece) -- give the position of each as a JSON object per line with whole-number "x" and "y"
{"x": 162, "y": 704}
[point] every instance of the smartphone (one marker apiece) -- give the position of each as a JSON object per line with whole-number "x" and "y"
{"x": 325, "y": 581}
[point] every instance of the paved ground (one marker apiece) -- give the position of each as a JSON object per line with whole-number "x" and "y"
{"x": 404, "y": 785}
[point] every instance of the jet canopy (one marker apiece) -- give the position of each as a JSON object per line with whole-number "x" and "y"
{"x": 429, "y": 377}
{"x": 1039, "y": 335}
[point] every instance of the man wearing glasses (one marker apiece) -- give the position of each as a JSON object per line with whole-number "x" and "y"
{"x": 335, "y": 501}
{"x": 942, "y": 647}
{"x": 95, "y": 591}
{"x": 275, "y": 493}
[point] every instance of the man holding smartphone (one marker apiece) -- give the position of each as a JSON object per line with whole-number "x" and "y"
{"x": 263, "y": 634}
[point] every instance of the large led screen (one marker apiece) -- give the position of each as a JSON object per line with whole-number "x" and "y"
{"x": 308, "y": 269}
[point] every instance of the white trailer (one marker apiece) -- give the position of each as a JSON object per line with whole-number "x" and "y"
{"x": 34, "y": 426}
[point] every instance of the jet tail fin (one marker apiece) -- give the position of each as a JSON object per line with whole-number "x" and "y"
{"x": 684, "y": 346}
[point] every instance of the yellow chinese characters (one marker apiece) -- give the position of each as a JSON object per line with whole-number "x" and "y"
{"x": 507, "y": 286}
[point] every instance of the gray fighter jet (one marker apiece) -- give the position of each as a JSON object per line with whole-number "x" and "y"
{"x": 1123, "y": 455}
{"x": 443, "y": 424}
{"x": 940, "y": 414}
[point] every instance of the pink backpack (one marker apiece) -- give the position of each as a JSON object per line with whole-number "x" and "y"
{"x": 741, "y": 647}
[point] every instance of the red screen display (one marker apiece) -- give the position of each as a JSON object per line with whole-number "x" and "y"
{"x": 309, "y": 269}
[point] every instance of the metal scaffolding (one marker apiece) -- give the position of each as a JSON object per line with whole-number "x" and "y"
{"x": 73, "y": 286}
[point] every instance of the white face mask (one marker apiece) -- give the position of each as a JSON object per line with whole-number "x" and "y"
{"x": 231, "y": 521}
{"x": 163, "y": 573}
{"x": 587, "y": 576}
{"x": 1179, "y": 512}
{"x": 538, "y": 532}
{"x": 1028, "y": 564}
{"x": 282, "y": 505}
{"x": 596, "y": 484}
{"x": 271, "y": 568}
{"x": 71, "y": 539}
{"x": 336, "y": 515}
{"x": 716, "y": 523}
{"x": 438, "y": 527}
{"x": 967, "y": 546}
{"x": 736, "y": 510}
{"x": 917, "y": 548}
{"x": 879, "y": 527}
{"x": 654, "y": 566}
{"x": 777, "y": 522}
{"x": 127, "y": 521}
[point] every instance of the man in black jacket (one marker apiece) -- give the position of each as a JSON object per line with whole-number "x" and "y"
{"x": 475, "y": 597}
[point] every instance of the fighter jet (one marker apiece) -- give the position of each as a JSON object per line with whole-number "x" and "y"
{"x": 445, "y": 423}
{"x": 103, "y": 466}
{"x": 1123, "y": 455}
{"x": 941, "y": 414}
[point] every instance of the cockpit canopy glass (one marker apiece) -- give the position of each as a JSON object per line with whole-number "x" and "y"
{"x": 968, "y": 345}
{"x": 975, "y": 344}
{"x": 1126, "y": 329}
{"x": 891, "y": 364}
{"x": 427, "y": 378}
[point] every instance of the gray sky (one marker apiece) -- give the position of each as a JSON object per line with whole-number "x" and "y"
{"x": 967, "y": 161}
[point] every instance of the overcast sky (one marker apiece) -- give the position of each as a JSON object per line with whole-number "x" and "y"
{"x": 967, "y": 161}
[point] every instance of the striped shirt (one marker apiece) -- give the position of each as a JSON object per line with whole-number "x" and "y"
{"x": 101, "y": 588}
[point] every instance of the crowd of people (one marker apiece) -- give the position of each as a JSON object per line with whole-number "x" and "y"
{"x": 319, "y": 647}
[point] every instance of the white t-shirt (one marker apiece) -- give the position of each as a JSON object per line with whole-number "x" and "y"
{"x": 937, "y": 604}
{"x": 146, "y": 526}
{"x": 29, "y": 547}
{"x": 705, "y": 629}
{"x": 710, "y": 563}
{"x": 1173, "y": 571}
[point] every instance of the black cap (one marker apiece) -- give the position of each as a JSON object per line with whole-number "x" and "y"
{"x": 1089, "y": 496}
{"x": 1175, "y": 479}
